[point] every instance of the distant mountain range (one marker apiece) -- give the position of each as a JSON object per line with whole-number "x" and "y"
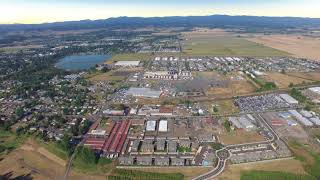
{"x": 217, "y": 21}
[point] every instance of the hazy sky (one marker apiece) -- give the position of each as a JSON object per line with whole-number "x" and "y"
{"x": 39, "y": 11}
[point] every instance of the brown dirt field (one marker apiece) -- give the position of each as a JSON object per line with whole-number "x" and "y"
{"x": 235, "y": 88}
{"x": 283, "y": 80}
{"x": 224, "y": 106}
{"x": 187, "y": 172}
{"x": 239, "y": 136}
{"x": 28, "y": 160}
{"x": 299, "y": 46}
{"x": 315, "y": 76}
{"x": 233, "y": 172}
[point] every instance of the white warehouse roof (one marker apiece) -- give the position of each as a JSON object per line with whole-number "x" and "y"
{"x": 144, "y": 92}
{"x": 163, "y": 126}
{"x": 288, "y": 99}
{"x": 127, "y": 63}
{"x": 151, "y": 125}
{"x": 300, "y": 118}
{"x": 315, "y": 90}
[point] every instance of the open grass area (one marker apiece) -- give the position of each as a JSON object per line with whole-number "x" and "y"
{"x": 141, "y": 175}
{"x": 224, "y": 44}
{"x": 130, "y": 57}
{"x": 9, "y": 141}
{"x": 53, "y": 148}
{"x": 267, "y": 175}
{"x": 233, "y": 172}
{"x": 239, "y": 137}
{"x": 309, "y": 158}
{"x": 284, "y": 80}
{"x": 100, "y": 76}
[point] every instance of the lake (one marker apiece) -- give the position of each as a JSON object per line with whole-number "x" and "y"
{"x": 81, "y": 62}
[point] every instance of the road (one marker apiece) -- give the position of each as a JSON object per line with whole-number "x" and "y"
{"x": 224, "y": 154}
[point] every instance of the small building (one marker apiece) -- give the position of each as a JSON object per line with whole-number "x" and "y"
{"x": 147, "y": 146}
{"x": 177, "y": 161}
{"x": 135, "y": 145}
{"x": 144, "y": 161}
{"x": 172, "y": 146}
{"x": 185, "y": 143}
{"x": 163, "y": 126}
{"x": 160, "y": 145}
{"x": 126, "y": 161}
{"x": 161, "y": 161}
{"x": 151, "y": 126}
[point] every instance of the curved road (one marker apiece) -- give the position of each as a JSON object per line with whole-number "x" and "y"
{"x": 224, "y": 154}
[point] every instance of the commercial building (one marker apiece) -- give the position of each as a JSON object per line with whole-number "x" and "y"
{"x": 127, "y": 63}
{"x": 143, "y": 92}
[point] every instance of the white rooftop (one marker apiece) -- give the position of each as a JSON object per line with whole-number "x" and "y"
{"x": 127, "y": 63}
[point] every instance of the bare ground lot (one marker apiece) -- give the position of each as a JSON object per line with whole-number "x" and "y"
{"x": 299, "y": 46}
{"x": 35, "y": 161}
{"x": 239, "y": 137}
{"x": 284, "y": 80}
{"x": 233, "y": 172}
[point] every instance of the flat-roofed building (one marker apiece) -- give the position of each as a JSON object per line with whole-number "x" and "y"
{"x": 163, "y": 126}
{"x": 162, "y": 161}
{"x": 127, "y": 63}
{"x": 143, "y": 92}
{"x": 151, "y": 125}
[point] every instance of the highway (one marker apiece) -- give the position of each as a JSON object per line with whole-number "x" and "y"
{"x": 224, "y": 154}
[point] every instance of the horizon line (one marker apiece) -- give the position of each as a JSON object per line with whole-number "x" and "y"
{"x": 146, "y": 17}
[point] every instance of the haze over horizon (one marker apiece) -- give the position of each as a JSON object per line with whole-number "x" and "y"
{"x": 41, "y": 11}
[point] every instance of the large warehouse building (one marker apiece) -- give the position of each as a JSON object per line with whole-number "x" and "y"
{"x": 127, "y": 63}
{"x": 144, "y": 92}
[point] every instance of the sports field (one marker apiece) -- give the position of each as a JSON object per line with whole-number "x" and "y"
{"x": 220, "y": 43}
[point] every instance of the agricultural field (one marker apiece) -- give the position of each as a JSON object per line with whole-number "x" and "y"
{"x": 219, "y": 43}
{"x": 311, "y": 76}
{"x": 266, "y": 175}
{"x": 233, "y": 172}
{"x": 297, "y": 45}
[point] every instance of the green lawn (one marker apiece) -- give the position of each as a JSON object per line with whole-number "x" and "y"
{"x": 227, "y": 46}
{"x": 131, "y": 57}
{"x": 271, "y": 175}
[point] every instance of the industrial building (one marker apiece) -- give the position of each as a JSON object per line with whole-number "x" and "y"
{"x": 127, "y": 63}
{"x": 143, "y": 92}
{"x": 288, "y": 99}
{"x": 304, "y": 121}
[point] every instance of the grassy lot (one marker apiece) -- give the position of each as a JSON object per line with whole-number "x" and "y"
{"x": 135, "y": 175}
{"x": 226, "y": 45}
{"x": 266, "y": 175}
{"x": 238, "y": 137}
{"x": 100, "y": 76}
{"x": 284, "y": 165}
{"x": 53, "y": 148}
{"x": 130, "y": 57}
{"x": 9, "y": 141}
{"x": 309, "y": 158}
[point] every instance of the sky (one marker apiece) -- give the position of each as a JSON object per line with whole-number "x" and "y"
{"x": 41, "y": 11}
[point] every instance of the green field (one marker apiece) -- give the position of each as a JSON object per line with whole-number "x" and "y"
{"x": 270, "y": 175}
{"x": 140, "y": 175}
{"x": 131, "y": 57}
{"x": 227, "y": 46}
